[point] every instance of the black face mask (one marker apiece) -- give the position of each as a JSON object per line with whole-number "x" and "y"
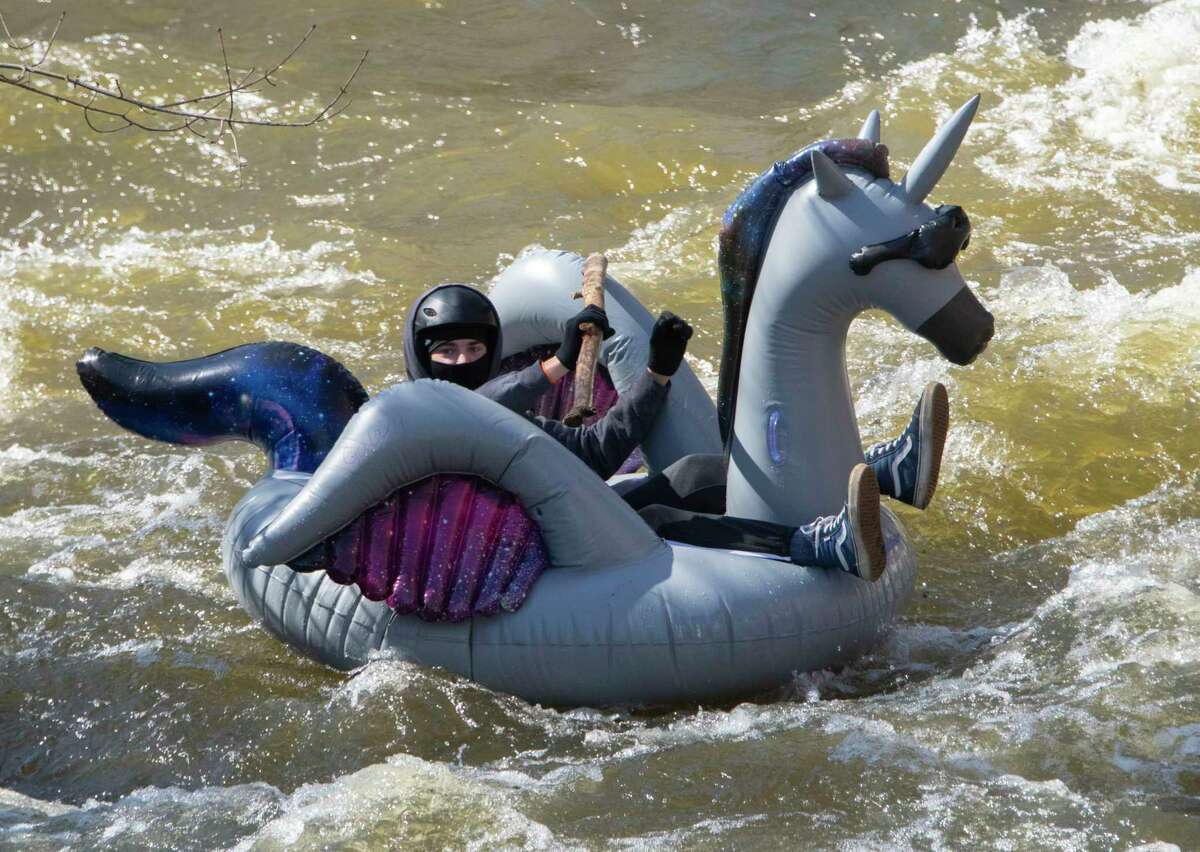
{"x": 934, "y": 245}
{"x": 470, "y": 376}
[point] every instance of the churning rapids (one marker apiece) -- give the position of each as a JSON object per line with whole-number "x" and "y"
{"x": 1042, "y": 692}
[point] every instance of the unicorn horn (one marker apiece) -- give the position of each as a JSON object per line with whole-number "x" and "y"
{"x": 870, "y": 128}
{"x": 831, "y": 183}
{"x": 931, "y": 163}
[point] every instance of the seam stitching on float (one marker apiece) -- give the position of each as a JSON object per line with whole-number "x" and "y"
{"x": 287, "y": 590}
{"x": 308, "y": 608}
{"x": 350, "y": 620}
{"x": 387, "y": 626}
{"x": 332, "y": 608}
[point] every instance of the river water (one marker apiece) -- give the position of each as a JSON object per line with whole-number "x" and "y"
{"x": 1041, "y": 691}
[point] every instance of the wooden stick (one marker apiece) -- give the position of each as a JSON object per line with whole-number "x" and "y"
{"x": 594, "y": 269}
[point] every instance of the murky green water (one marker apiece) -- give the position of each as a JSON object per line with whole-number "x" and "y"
{"x": 1041, "y": 692}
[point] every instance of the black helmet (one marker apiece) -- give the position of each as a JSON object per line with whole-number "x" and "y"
{"x": 449, "y": 312}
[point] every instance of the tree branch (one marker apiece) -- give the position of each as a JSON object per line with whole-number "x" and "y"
{"x": 191, "y": 113}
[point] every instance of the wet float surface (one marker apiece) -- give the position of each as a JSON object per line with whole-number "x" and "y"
{"x": 1042, "y": 690}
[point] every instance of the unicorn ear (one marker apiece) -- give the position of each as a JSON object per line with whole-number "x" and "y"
{"x": 929, "y": 166}
{"x": 870, "y": 128}
{"x": 831, "y": 183}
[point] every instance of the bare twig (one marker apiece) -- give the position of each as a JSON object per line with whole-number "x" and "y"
{"x": 9, "y": 40}
{"x": 237, "y": 155}
{"x": 247, "y": 84}
{"x": 343, "y": 92}
{"x": 193, "y": 114}
{"x": 49, "y": 41}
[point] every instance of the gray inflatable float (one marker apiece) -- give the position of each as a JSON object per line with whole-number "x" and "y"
{"x": 622, "y": 617}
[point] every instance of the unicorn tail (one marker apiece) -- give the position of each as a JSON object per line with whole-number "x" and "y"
{"x": 290, "y": 401}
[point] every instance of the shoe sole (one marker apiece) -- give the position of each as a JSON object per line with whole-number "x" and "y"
{"x": 933, "y": 425}
{"x": 863, "y": 504}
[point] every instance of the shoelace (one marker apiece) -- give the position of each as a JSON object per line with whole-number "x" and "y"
{"x": 877, "y": 450}
{"x": 824, "y": 525}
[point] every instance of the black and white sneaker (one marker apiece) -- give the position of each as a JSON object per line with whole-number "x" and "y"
{"x": 907, "y": 467}
{"x": 851, "y": 540}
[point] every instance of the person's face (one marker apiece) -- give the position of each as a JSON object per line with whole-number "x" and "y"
{"x": 461, "y": 351}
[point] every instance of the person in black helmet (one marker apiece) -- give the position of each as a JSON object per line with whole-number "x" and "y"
{"x": 454, "y": 335}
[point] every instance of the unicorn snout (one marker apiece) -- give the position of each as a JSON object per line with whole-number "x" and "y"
{"x": 961, "y": 329}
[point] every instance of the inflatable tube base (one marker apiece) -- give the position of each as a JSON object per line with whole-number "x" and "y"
{"x": 684, "y": 625}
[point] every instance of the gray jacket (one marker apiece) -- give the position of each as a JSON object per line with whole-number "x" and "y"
{"x": 605, "y": 444}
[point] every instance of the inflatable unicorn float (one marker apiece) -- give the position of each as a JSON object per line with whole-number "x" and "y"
{"x": 431, "y": 525}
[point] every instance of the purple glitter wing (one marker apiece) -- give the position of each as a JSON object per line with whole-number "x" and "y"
{"x": 445, "y": 548}
{"x": 514, "y": 537}
{"x": 382, "y": 526}
{"x": 532, "y": 563}
{"x": 417, "y": 515}
{"x": 454, "y": 510}
{"x": 481, "y": 537}
{"x": 452, "y": 547}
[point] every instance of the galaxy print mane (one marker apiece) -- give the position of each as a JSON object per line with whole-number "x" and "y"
{"x": 746, "y": 231}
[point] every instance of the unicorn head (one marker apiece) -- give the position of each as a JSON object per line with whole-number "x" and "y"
{"x": 809, "y": 245}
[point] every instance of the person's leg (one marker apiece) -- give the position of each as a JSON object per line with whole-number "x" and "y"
{"x": 907, "y": 467}
{"x": 720, "y": 531}
{"x": 695, "y": 483}
{"x": 851, "y": 540}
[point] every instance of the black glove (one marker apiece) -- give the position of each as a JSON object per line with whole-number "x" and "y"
{"x": 668, "y": 341}
{"x": 568, "y": 353}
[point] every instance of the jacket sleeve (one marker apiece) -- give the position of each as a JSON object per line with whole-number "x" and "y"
{"x": 518, "y": 391}
{"x": 606, "y": 444}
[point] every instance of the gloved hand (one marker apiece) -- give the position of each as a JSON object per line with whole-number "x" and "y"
{"x": 568, "y": 353}
{"x": 668, "y": 341}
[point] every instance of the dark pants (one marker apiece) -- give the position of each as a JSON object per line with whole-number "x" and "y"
{"x": 686, "y": 503}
